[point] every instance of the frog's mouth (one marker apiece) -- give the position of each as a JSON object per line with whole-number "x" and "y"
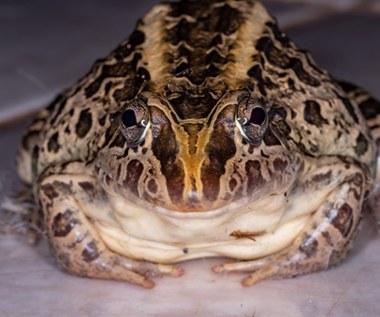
{"x": 147, "y": 188}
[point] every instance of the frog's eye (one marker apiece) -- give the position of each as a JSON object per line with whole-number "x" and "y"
{"x": 134, "y": 123}
{"x": 252, "y": 120}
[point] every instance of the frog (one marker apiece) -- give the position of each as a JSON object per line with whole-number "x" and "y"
{"x": 206, "y": 133}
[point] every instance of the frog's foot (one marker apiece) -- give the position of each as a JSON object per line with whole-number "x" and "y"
{"x": 75, "y": 243}
{"x": 282, "y": 265}
{"x": 104, "y": 264}
{"x": 323, "y": 242}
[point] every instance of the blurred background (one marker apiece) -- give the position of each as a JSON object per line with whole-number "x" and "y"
{"x": 47, "y": 45}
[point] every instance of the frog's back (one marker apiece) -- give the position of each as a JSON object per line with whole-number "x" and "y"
{"x": 192, "y": 53}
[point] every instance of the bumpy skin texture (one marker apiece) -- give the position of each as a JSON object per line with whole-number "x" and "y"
{"x": 206, "y": 133}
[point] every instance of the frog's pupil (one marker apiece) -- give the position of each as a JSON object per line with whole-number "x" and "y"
{"x": 129, "y": 118}
{"x": 257, "y": 116}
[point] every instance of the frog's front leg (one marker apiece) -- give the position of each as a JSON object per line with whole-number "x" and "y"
{"x": 64, "y": 192}
{"x": 326, "y": 237}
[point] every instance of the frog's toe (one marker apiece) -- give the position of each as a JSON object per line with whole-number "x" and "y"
{"x": 150, "y": 269}
{"x": 259, "y": 270}
{"x": 238, "y": 267}
{"x": 262, "y": 274}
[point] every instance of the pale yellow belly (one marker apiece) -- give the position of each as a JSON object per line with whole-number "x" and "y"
{"x": 166, "y": 237}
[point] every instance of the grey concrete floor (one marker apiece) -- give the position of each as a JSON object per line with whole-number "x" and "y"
{"x": 48, "y": 46}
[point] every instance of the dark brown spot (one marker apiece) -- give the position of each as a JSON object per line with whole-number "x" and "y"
{"x": 280, "y": 165}
{"x": 90, "y": 252}
{"x": 63, "y": 223}
{"x": 84, "y": 123}
{"x": 350, "y": 108}
{"x": 102, "y": 120}
{"x": 49, "y": 191}
{"x": 182, "y": 70}
{"x": 232, "y": 184}
{"x": 274, "y": 55}
{"x": 323, "y": 178}
{"x": 228, "y": 20}
{"x": 64, "y": 188}
{"x": 215, "y": 57}
{"x": 135, "y": 39}
{"x": 143, "y": 73}
{"x": 361, "y": 145}
{"x": 89, "y": 188}
{"x": 53, "y": 144}
{"x": 370, "y": 108}
{"x": 326, "y": 235}
{"x": 134, "y": 171}
{"x": 256, "y": 73}
{"x": 152, "y": 186}
{"x": 312, "y": 113}
{"x": 297, "y": 66}
{"x": 344, "y": 220}
{"x": 358, "y": 180}
{"x": 279, "y": 36}
{"x": 255, "y": 178}
{"x": 309, "y": 246}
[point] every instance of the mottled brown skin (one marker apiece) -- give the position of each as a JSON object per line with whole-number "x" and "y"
{"x": 206, "y": 107}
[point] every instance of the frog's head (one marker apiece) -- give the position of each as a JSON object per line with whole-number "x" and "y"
{"x": 197, "y": 153}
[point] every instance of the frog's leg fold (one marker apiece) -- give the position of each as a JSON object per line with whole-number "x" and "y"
{"x": 64, "y": 192}
{"x": 325, "y": 240}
